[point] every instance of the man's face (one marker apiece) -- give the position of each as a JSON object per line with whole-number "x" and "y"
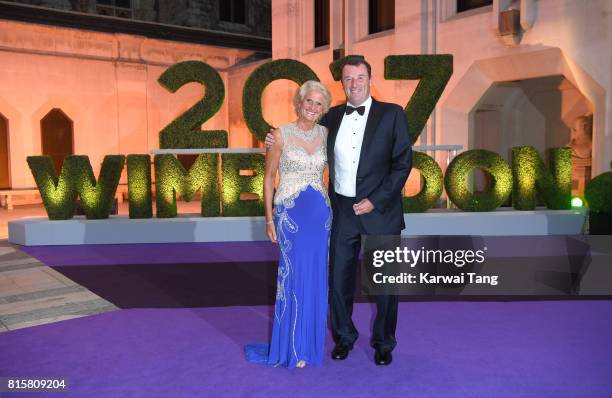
{"x": 356, "y": 83}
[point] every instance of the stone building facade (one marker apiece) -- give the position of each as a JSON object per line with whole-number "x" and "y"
{"x": 81, "y": 83}
{"x": 252, "y": 17}
{"x": 523, "y": 71}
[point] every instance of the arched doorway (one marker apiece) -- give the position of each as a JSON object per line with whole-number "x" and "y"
{"x": 4, "y": 154}
{"x": 539, "y": 112}
{"x": 57, "y": 137}
{"x": 539, "y": 89}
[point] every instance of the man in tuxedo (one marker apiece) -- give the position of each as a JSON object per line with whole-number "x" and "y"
{"x": 369, "y": 155}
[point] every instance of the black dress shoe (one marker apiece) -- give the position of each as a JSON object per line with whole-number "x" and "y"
{"x": 340, "y": 352}
{"x": 383, "y": 357}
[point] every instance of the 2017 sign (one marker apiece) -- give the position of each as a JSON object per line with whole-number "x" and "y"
{"x": 527, "y": 175}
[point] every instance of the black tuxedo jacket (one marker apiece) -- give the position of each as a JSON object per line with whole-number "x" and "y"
{"x": 384, "y": 164}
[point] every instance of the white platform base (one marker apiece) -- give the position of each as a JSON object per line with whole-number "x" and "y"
{"x": 185, "y": 228}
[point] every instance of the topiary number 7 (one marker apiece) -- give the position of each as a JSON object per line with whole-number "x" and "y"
{"x": 433, "y": 73}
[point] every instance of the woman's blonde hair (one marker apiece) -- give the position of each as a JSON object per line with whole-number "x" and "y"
{"x": 311, "y": 85}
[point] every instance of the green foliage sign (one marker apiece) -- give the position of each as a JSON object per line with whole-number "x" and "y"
{"x": 431, "y": 189}
{"x": 235, "y": 184}
{"x": 76, "y": 178}
{"x": 184, "y": 131}
{"x": 257, "y": 82}
{"x": 172, "y": 178}
{"x": 455, "y": 180}
{"x": 242, "y": 174}
{"x": 139, "y": 186}
{"x": 433, "y": 73}
{"x": 530, "y": 176}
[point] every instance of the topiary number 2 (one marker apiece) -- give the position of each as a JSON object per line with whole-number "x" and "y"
{"x": 185, "y": 131}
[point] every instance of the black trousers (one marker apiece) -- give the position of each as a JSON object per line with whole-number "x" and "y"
{"x": 345, "y": 244}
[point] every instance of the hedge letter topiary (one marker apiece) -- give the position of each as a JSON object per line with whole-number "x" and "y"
{"x": 139, "y": 186}
{"x": 171, "y": 177}
{"x": 433, "y": 182}
{"x": 58, "y": 194}
{"x": 234, "y": 184}
{"x": 530, "y": 175}
{"x": 256, "y": 83}
{"x": 97, "y": 197}
{"x": 433, "y": 73}
{"x": 76, "y": 177}
{"x": 455, "y": 180}
{"x": 185, "y": 131}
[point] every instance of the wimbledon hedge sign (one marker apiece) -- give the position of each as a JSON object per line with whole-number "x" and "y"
{"x": 221, "y": 187}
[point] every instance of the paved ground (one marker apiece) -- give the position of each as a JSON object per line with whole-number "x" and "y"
{"x": 32, "y": 293}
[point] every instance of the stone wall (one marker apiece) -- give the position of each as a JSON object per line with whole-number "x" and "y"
{"x": 191, "y": 13}
{"x": 559, "y": 38}
{"x": 107, "y": 85}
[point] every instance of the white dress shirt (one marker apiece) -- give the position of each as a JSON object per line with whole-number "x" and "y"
{"x": 348, "y": 149}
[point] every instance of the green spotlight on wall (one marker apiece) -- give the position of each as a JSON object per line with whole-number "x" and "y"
{"x": 577, "y": 202}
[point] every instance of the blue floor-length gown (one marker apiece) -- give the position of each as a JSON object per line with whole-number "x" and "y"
{"x": 302, "y": 217}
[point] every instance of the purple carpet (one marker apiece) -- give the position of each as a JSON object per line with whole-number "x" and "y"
{"x": 217, "y": 252}
{"x": 445, "y": 349}
{"x": 158, "y": 253}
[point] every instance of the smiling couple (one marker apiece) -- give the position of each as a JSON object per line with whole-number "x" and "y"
{"x": 366, "y": 144}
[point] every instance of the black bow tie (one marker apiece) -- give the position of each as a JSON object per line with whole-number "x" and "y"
{"x": 359, "y": 109}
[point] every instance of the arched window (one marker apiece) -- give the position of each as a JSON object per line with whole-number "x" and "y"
{"x": 4, "y": 154}
{"x": 56, "y": 134}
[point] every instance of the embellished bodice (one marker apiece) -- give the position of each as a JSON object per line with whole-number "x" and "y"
{"x": 302, "y": 163}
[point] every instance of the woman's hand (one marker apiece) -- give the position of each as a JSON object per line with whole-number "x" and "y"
{"x": 271, "y": 231}
{"x": 272, "y": 161}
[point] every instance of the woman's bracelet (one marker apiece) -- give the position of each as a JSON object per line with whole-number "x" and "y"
{"x": 269, "y": 222}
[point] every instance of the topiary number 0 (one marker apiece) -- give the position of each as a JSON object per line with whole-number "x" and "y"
{"x": 257, "y": 82}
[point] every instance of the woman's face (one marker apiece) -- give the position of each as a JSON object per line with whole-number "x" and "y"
{"x": 311, "y": 106}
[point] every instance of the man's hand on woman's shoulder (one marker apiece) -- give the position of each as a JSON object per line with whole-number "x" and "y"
{"x": 270, "y": 139}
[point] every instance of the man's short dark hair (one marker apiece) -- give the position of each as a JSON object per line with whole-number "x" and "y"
{"x": 356, "y": 60}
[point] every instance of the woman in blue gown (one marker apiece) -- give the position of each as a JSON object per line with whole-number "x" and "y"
{"x": 300, "y": 223}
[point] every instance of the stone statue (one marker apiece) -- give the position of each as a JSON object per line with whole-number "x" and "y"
{"x": 581, "y": 136}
